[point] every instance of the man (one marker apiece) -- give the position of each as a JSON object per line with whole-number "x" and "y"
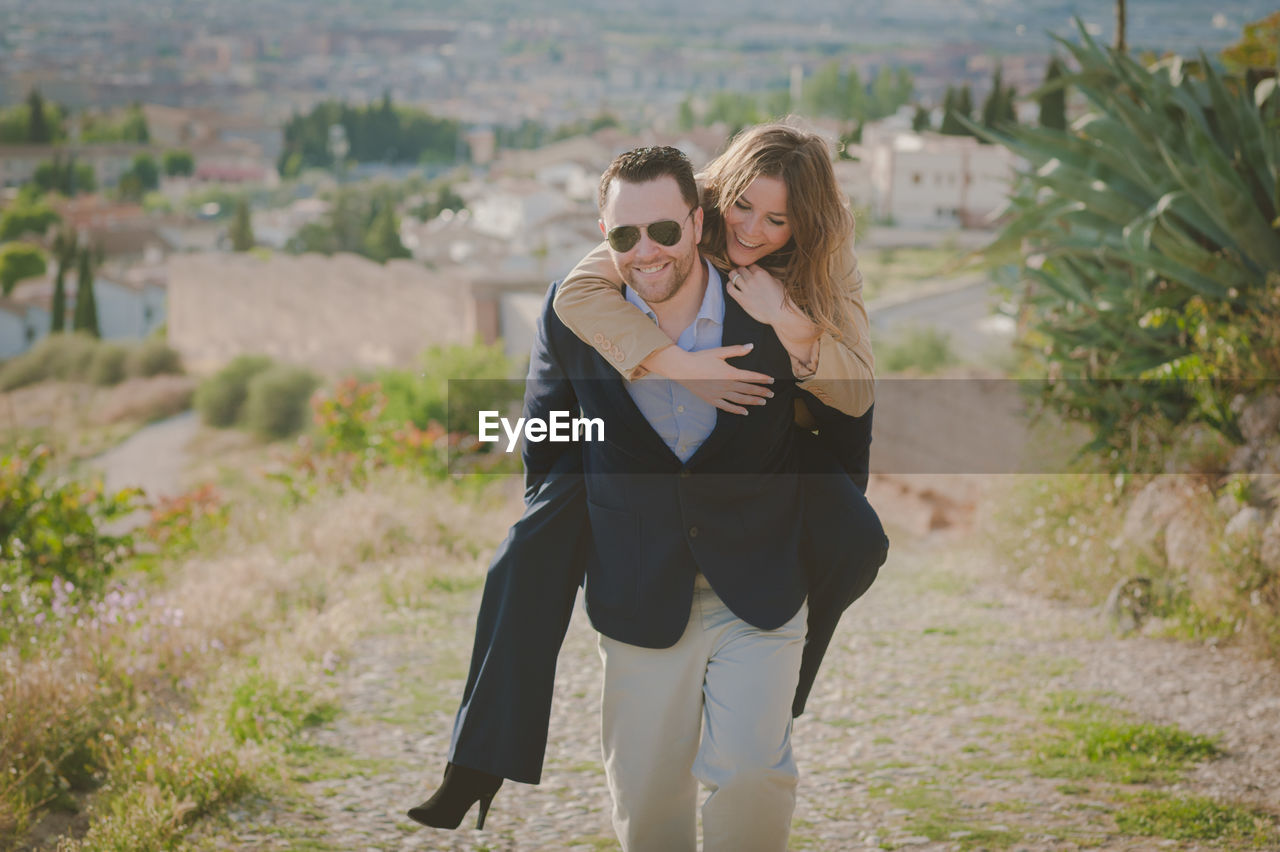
{"x": 694, "y": 581}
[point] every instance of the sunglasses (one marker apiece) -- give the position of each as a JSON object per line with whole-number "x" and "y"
{"x": 666, "y": 232}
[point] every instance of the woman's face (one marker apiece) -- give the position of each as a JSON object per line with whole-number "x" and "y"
{"x": 756, "y": 224}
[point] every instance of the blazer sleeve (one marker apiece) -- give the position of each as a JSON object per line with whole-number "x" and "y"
{"x": 590, "y": 303}
{"x": 844, "y": 378}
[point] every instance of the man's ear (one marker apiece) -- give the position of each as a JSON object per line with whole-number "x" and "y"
{"x": 603, "y": 232}
{"x": 697, "y": 225}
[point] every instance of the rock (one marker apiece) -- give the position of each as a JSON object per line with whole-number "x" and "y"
{"x": 1156, "y": 505}
{"x": 1270, "y": 552}
{"x": 1260, "y": 419}
{"x": 1246, "y": 522}
{"x": 1188, "y": 549}
{"x": 1128, "y": 604}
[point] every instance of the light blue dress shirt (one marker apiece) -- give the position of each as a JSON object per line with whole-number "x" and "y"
{"x": 680, "y": 418}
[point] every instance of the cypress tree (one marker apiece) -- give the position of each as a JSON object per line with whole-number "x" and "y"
{"x": 86, "y": 313}
{"x": 241, "y": 230}
{"x": 920, "y": 121}
{"x": 38, "y": 130}
{"x": 1053, "y": 103}
{"x": 65, "y": 247}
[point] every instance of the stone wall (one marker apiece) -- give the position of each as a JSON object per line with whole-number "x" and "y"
{"x": 328, "y": 313}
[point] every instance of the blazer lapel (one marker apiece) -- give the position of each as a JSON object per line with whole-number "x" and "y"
{"x": 738, "y": 328}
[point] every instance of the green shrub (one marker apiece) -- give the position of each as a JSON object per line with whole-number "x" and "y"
{"x": 276, "y": 405}
{"x": 425, "y": 395}
{"x": 153, "y": 358}
{"x": 54, "y": 530}
{"x": 924, "y": 349}
{"x": 220, "y": 398}
{"x": 59, "y": 356}
{"x": 108, "y": 364}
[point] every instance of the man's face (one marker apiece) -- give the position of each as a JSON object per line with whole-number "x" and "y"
{"x": 656, "y": 272}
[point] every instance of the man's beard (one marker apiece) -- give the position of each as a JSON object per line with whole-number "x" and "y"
{"x": 655, "y": 292}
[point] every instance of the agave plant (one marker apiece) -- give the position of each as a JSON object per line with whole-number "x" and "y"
{"x": 1148, "y": 241}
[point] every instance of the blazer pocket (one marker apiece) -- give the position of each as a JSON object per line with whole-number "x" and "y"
{"x": 613, "y": 575}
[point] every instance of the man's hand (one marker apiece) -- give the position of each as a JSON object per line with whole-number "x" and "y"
{"x": 708, "y": 375}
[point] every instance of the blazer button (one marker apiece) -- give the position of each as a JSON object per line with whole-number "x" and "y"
{"x": 684, "y": 473}
{"x": 599, "y": 338}
{"x": 693, "y": 532}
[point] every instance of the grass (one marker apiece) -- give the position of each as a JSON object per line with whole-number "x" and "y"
{"x": 1159, "y": 814}
{"x": 933, "y": 812}
{"x": 233, "y": 646}
{"x": 1094, "y": 741}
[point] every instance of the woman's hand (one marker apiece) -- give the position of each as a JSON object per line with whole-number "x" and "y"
{"x": 765, "y": 299}
{"x": 760, "y": 294}
{"x": 708, "y": 375}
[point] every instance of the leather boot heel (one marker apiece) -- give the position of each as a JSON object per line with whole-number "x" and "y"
{"x": 460, "y": 789}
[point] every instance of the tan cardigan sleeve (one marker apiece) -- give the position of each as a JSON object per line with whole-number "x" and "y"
{"x": 590, "y": 302}
{"x": 845, "y": 375}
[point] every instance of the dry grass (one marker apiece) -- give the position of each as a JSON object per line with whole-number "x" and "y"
{"x": 281, "y": 594}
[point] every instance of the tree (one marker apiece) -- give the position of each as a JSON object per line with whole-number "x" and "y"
{"x": 382, "y": 242}
{"x": 920, "y": 122}
{"x": 86, "y": 312}
{"x": 19, "y": 261}
{"x": 241, "y": 228}
{"x": 144, "y": 168}
{"x": 1052, "y": 97}
{"x": 998, "y": 107}
{"x": 38, "y": 130}
{"x": 26, "y": 218}
{"x": 134, "y": 127}
{"x": 951, "y": 109}
{"x": 684, "y": 116}
{"x": 1120, "y": 26}
{"x": 178, "y": 162}
{"x": 66, "y": 245}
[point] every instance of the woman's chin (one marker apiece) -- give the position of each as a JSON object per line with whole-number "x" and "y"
{"x": 739, "y": 256}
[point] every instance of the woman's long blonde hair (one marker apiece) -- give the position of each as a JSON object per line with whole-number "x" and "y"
{"x": 820, "y": 221}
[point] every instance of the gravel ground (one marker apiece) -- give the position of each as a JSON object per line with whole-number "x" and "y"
{"x": 932, "y": 690}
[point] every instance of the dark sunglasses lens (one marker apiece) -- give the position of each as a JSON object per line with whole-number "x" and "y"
{"x": 624, "y": 237}
{"x": 665, "y": 233}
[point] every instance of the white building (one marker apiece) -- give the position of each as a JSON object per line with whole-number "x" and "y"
{"x": 21, "y": 325}
{"x": 931, "y": 180}
{"x": 131, "y": 304}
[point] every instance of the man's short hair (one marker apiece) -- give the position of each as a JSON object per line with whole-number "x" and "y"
{"x": 650, "y": 163}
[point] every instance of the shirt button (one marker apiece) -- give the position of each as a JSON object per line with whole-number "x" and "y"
{"x": 684, "y": 473}
{"x": 680, "y": 408}
{"x": 693, "y": 532}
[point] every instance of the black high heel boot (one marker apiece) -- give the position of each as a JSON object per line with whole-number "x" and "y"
{"x": 460, "y": 788}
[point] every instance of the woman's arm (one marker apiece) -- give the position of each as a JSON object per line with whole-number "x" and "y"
{"x": 844, "y": 375}
{"x": 590, "y": 303}
{"x": 838, "y": 370}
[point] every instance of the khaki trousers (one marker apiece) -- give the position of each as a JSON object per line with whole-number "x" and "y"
{"x": 714, "y": 708}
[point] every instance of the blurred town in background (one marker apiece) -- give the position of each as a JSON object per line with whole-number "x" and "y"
{"x": 455, "y": 153}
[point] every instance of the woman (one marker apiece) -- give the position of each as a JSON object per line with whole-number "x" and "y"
{"x": 775, "y": 220}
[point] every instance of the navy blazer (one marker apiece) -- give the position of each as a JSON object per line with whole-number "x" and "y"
{"x": 732, "y": 511}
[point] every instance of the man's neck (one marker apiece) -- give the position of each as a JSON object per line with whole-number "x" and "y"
{"x": 677, "y": 313}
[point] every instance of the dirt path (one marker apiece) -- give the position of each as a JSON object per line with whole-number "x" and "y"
{"x": 154, "y": 458}
{"x": 922, "y": 730}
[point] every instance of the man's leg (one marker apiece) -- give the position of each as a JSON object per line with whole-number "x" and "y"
{"x": 745, "y": 757}
{"x": 650, "y": 720}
